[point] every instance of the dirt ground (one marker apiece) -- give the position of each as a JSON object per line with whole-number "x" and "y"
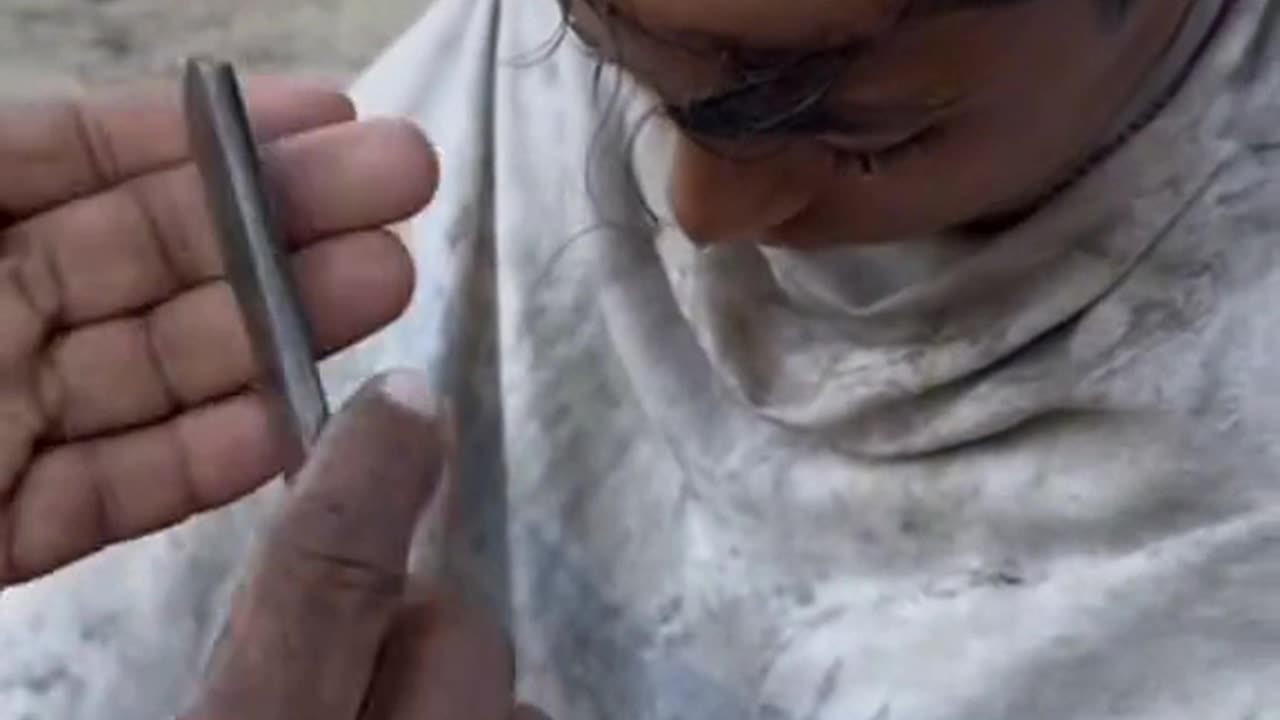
{"x": 57, "y": 45}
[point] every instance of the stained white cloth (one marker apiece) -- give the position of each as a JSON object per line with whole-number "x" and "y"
{"x": 1036, "y": 477}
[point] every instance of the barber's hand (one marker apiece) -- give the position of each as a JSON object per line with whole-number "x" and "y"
{"x": 123, "y": 362}
{"x": 329, "y": 626}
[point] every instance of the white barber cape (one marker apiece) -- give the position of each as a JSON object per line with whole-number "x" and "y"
{"x": 1036, "y": 477}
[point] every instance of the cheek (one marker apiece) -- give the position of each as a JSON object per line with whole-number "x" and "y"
{"x": 952, "y": 178}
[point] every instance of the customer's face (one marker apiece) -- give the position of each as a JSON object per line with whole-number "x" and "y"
{"x": 934, "y": 117}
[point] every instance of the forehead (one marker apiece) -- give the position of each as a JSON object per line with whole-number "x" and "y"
{"x": 777, "y": 23}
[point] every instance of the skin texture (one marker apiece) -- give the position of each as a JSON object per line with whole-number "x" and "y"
{"x": 977, "y": 111}
{"x": 329, "y": 626}
{"x": 115, "y": 417}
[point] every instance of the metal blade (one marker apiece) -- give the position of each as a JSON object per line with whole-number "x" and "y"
{"x": 252, "y": 250}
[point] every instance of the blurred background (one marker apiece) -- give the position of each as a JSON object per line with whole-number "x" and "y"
{"x": 51, "y": 46}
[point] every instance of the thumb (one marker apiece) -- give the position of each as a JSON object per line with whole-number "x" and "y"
{"x": 360, "y": 494}
{"x": 306, "y": 631}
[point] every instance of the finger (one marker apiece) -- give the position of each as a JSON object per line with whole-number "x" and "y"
{"x": 305, "y": 634}
{"x": 371, "y": 173}
{"x": 138, "y": 243}
{"x": 125, "y": 372}
{"x": 78, "y": 498}
{"x": 366, "y": 483}
{"x": 51, "y": 152}
{"x": 443, "y": 661}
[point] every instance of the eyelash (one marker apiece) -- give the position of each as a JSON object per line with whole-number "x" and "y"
{"x": 870, "y": 163}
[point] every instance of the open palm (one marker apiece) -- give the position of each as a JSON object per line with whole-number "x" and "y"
{"x": 124, "y": 366}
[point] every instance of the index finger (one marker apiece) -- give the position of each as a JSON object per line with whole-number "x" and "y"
{"x": 55, "y": 151}
{"x": 305, "y": 634}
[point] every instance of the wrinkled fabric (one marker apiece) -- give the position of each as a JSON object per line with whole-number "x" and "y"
{"x": 1030, "y": 477}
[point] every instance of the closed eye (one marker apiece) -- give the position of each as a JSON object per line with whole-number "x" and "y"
{"x": 884, "y": 141}
{"x": 871, "y": 159}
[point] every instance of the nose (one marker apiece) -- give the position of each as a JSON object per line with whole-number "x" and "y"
{"x": 739, "y": 196}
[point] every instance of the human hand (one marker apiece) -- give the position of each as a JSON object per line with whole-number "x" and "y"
{"x": 328, "y": 626}
{"x": 123, "y": 360}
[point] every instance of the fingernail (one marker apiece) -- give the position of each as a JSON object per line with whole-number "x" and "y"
{"x": 411, "y": 391}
